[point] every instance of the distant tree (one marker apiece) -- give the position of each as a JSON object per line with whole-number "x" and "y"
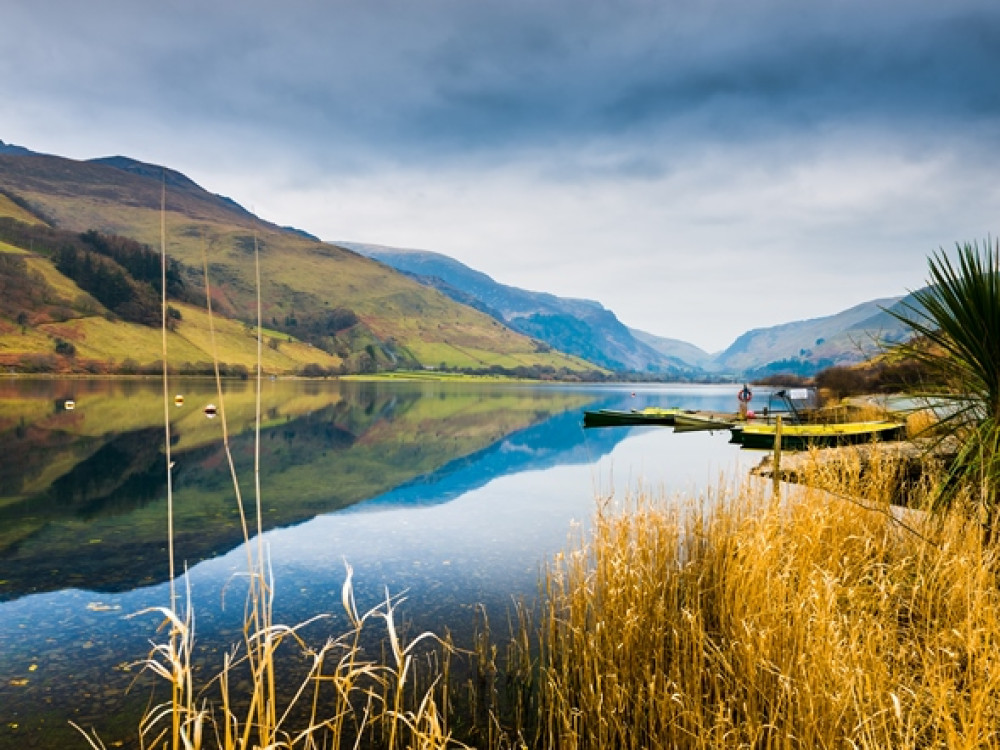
{"x": 313, "y": 370}
{"x": 110, "y": 284}
{"x": 142, "y": 263}
{"x": 65, "y": 348}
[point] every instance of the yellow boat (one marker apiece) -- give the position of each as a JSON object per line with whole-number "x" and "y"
{"x": 802, "y": 436}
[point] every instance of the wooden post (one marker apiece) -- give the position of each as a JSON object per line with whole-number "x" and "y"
{"x": 776, "y": 464}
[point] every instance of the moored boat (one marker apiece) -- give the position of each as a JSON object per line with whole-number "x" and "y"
{"x": 692, "y": 421}
{"x": 802, "y": 436}
{"x": 614, "y": 417}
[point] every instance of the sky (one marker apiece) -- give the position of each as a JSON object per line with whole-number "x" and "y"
{"x": 700, "y": 167}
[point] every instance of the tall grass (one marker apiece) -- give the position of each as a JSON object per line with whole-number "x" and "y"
{"x": 274, "y": 689}
{"x": 817, "y": 618}
{"x": 751, "y": 621}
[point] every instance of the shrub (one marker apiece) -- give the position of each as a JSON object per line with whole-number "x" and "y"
{"x": 65, "y": 348}
{"x": 957, "y": 318}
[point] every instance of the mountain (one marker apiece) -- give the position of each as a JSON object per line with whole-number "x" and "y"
{"x": 675, "y": 349}
{"x": 804, "y": 347}
{"x": 10, "y": 148}
{"x": 580, "y": 327}
{"x": 353, "y": 313}
{"x": 343, "y": 307}
{"x": 590, "y": 331}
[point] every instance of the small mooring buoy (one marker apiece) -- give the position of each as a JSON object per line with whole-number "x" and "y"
{"x": 210, "y": 411}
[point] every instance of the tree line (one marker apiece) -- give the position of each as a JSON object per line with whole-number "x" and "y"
{"x": 125, "y": 276}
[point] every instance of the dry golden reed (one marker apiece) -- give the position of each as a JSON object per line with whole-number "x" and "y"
{"x": 813, "y": 619}
{"x": 760, "y": 622}
{"x": 333, "y": 695}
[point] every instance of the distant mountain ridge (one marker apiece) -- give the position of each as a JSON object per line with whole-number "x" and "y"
{"x": 588, "y": 330}
{"x": 581, "y": 327}
{"x": 359, "y": 307}
{"x": 327, "y": 308}
{"x": 804, "y": 347}
{"x": 10, "y": 148}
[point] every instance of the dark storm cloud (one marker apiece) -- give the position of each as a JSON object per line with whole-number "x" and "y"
{"x": 511, "y": 76}
{"x": 935, "y": 68}
{"x": 584, "y": 147}
{"x": 443, "y": 78}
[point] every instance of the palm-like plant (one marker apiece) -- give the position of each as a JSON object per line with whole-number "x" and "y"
{"x": 957, "y": 319}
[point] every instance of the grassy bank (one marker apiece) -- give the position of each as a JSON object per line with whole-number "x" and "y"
{"x": 747, "y": 622}
{"x": 814, "y": 616}
{"x": 739, "y": 620}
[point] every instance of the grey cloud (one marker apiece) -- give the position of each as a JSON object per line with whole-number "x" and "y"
{"x": 671, "y": 127}
{"x": 445, "y": 79}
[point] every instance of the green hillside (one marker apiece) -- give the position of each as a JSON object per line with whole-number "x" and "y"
{"x": 805, "y": 347}
{"x": 49, "y": 324}
{"x": 352, "y": 311}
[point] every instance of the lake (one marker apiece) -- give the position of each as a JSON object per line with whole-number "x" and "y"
{"x": 454, "y": 493}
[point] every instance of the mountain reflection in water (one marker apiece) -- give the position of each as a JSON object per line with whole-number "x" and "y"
{"x": 92, "y": 516}
{"x": 453, "y": 495}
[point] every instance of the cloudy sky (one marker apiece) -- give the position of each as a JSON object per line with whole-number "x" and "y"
{"x": 701, "y": 167}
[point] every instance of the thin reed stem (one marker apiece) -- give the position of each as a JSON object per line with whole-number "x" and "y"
{"x": 171, "y": 570}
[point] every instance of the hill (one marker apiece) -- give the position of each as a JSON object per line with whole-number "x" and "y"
{"x": 807, "y": 346}
{"x": 675, "y": 349}
{"x": 588, "y": 330}
{"x": 578, "y": 326}
{"x": 354, "y": 314}
{"x": 48, "y": 323}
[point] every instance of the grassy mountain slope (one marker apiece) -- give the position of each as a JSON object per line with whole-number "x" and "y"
{"x": 675, "y": 349}
{"x": 806, "y": 346}
{"x": 304, "y": 282}
{"x": 582, "y": 327}
{"x": 890, "y": 327}
{"x": 66, "y": 313}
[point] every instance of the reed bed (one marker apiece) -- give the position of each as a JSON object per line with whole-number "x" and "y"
{"x": 756, "y": 621}
{"x": 339, "y": 695}
{"x": 274, "y": 689}
{"x": 813, "y": 618}
{"x": 803, "y": 619}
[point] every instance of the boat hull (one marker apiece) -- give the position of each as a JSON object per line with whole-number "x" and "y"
{"x": 614, "y": 418}
{"x": 694, "y": 422}
{"x": 802, "y": 437}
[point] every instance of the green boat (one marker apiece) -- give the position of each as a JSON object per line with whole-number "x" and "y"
{"x": 803, "y": 436}
{"x": 614, "y": 418}
{"x": 694, "y": 421}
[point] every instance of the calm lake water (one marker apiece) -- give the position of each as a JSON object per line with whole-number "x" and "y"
{"x": 455, "y": 494}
